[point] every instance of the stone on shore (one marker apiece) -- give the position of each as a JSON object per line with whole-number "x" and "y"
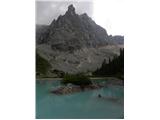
{"x": 73, "y": 89}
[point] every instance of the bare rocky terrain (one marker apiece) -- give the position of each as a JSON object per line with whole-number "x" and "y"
{"x": 75, "y": 43}
{"x": 83, "y": 60}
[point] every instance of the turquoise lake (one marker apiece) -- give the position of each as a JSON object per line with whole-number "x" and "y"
{"x": 78, "y": 105}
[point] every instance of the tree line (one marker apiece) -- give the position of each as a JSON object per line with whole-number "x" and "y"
{"x": 114, "y": 67}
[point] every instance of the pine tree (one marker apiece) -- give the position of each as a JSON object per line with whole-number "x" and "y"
{"x": 114, "y": 66}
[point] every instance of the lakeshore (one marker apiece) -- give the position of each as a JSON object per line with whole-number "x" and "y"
{"x": 97, "y": 83}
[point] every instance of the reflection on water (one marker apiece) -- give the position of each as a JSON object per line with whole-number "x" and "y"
{"x": 78, "y": 105}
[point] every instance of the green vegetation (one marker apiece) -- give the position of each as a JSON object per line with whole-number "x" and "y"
{"x": 42, "y": 65}
{"x": 114, "y": 67}
{"x": 59, "y": 73}
{"x": 76, "y": 79}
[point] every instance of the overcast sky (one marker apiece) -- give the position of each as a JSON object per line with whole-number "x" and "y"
{"x": 107, "y": 13}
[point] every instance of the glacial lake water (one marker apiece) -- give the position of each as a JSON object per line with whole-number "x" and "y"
{"x": 78, "y": 105}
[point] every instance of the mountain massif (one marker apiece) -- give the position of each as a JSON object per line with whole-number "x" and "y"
{"x": 75, "y": 43}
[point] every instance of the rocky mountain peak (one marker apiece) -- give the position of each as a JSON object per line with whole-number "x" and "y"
{"x": 75, "y": 43}
{"x": 72, "y": 31}
{"x": 71, "y": 10}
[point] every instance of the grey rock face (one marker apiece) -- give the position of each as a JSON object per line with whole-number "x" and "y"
{"x": 42, "y": 32}
{"x": 117, "y": 39}
{"x": 71, "y": 10}
{"x": 83, "y": 60}
{"x": 74, "y": 43}
{"x": 72, "y": 31}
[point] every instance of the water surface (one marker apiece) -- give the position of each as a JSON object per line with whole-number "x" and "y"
{"x": 78, "y": 105}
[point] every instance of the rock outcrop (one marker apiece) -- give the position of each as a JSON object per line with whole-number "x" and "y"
{"x": 74, "y": 43}
{"x": 42, "y": 32}
{"x": 73, "y": 89}
{"x": 72, "y": 31}
{"x": 69, "y": 89}
{"x": 117, "y": 39}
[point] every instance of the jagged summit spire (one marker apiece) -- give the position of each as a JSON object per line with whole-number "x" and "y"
{"x": 71, "y": 10}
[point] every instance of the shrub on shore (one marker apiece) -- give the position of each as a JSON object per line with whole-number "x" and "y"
{"x": 76, "y": 79}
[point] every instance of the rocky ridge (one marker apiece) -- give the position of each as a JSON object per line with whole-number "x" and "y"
{"x": 74, "y": 43}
